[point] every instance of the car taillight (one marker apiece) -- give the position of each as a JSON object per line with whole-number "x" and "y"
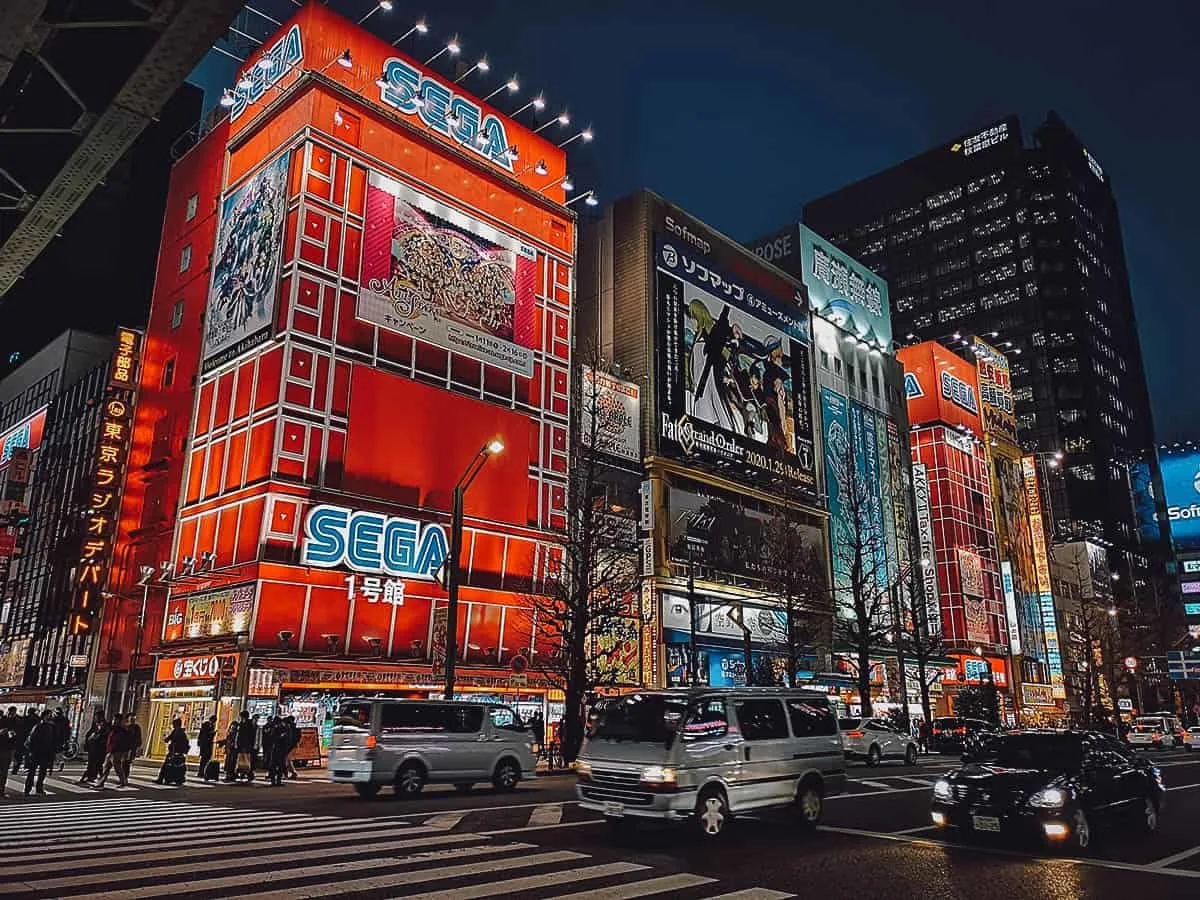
{"x": 937, "y": 731}
{"x": 960, "y": 731}
{"x": 854, "y": 735}
{"x": 370, "y": 742}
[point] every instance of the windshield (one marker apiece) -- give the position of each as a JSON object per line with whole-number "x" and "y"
{"x": 1059, "y": 753}
{"x": 647, "y": 718}
{"x": 1148, "y": 725}
{"x": 848, "y": 724}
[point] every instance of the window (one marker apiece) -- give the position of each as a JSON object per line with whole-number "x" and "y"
{"x": 177, "y": 314}
{"x": 185, "y": 258}
{"x": 811, "y": 716}
{"x": 825, "y": 359}
{"x": 168, "y": 376}
{"x": 464, "y": 719}
{"x": 761, "y": 720}
{"x": 837, "y": 365}
{"x": 504, "y": 718}
{"x": 707, "y": 718}
{"x": 193, "y": 202}
{"x": 412, "y": 717}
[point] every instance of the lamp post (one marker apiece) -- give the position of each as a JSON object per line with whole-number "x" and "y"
{"x": 491, "y": 448}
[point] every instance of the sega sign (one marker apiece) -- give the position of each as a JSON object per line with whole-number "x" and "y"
{"x": 414, "y": 93}
{"x": 959, "y": 392}
{"x": 274, "y": 62}
{"x": 372, "y": 542}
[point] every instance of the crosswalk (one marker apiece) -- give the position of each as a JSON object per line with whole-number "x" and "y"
{"x": 128, "y": 848}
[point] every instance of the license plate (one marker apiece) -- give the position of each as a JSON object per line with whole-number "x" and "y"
{"x": 985, "y": 823}
{"x": 614, "y": 809}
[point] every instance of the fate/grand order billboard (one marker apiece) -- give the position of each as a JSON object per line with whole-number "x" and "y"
{"x": 245, "y": 272}
{"x": 733, "y": 349}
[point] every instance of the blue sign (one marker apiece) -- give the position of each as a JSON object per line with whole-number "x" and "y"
{"x": 275, "y": 62}
{"x": 726, "y": 668}
{"x": 1181, "y": 484}
{"x": 912, "y": 386}
{"x": 372, "y": 542}
{"x": 844, "y": 291}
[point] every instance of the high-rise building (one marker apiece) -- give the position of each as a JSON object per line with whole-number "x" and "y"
{"x": 1021, "y": 244}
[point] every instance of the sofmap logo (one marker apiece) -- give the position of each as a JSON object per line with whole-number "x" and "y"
{"x": 959, "y": 393}
{"x": 912, "y": 386}
{"x": 372, "y": 542}
{"x": 284, "y": 54}
{"x": 414, "y": 93}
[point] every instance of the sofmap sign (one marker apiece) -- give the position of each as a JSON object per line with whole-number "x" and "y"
{"x": 372, "y": 542}
{"x": 284, "y": 55}
{"x": 1181, "y": 484}
{"x": 416, "y": 93}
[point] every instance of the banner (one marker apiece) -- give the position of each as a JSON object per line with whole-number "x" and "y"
{"x": 609, "y": 411}
{"x": 1181, "y": 484}
{"x": 835, "y": 423}
{"x": 995, "y": 392}
{"x": 438, "y": 275}
{"x": 928, "y": 561}
{"x": 245, "y": 269}
{"x": 844, "y": 291}
{"x": 224, "y": 611}
{"x": 733, "y": 370}
{"x": 1041, "y": 563}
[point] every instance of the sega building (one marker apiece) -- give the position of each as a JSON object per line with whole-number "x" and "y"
{"x": 388, "y": 289}
{"x": 955, "y": 519}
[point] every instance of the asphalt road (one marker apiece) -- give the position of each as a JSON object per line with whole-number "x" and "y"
{"x": 310, "y": 838}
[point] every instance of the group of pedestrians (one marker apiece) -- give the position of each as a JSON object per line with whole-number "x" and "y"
{"x": 111, "y": 747}
{"x": 33, "y": 740}
{"x": 279, "y": 738}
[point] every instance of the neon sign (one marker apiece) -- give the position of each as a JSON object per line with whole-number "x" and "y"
{"x": 372, "y": 542}
{"x": 415, "y": 93}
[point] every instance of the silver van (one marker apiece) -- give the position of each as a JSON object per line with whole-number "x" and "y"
{"x": 411, "y": 743}
{"x": 705, "y": 755}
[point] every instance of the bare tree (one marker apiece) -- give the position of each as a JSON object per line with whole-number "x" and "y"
{"x": 1088, "y": 627}
{"x": 921, "y": 632}
{"x": 589, "y": 609}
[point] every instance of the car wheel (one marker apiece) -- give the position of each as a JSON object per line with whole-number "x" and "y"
{"x": 1149, "y": 817}
{"x": 409, "y": 780}
{"x": 506, "y": 776}
{"x": 873, "y": 756}
{"x": 809, "y": 805}
{"x": 367, "y": 790}
{"x": 1081, "y": 830}
{"x": 464, "y": 787}
{"x": 712, "y": 813}
{"x": 910, "y": 756}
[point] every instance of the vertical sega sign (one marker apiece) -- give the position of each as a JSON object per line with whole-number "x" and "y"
{"x": 1181, "y": 486}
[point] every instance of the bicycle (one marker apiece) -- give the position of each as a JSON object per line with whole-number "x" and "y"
{"x": 66, "y": 753}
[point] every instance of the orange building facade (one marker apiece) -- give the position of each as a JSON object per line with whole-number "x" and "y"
{"x": 365, "y": 276}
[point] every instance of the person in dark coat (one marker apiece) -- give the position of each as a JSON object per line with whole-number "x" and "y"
{"x": 9, "y": 728}
{"x": 246, "y": 739}
{"x": 40, "y": 748}
{"x": 136, "y": 747}
{"x": 62, "y": 735}
{"x": 270, "y": 733}
{"x": 178, "y": 747}
{"x": 275, "y": 748}
{"x": 95, "y": 744}
{"x": 118, "y": 748}
{"x": 230, "y": 745}
{"x": 27, "y": 722}
{"x": 537, "y": 725}
{"x": 293, "y": 741}
{"x": 206, "y": 738}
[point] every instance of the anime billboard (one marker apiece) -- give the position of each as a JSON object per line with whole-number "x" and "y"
{"x": 245, "y": 272}
{"x": 733, "y": 371}
{"x": 436, "y": 274}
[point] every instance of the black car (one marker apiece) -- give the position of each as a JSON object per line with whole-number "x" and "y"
{"x": 1056, "y": 785}
{"x": 953, "y": 734}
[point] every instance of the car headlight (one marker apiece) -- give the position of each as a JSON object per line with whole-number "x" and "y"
{"x": 942, "y": 790}
{"x": 1049, "y": 798}
{"x": 658, "y": 775}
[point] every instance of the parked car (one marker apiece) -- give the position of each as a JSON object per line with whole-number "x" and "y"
{"x": 1191, "y": 737}
{"x": 1057, "y": 785}
{"x": 874, "y": 741}
{"x": 703, "y": 756}
{"x": 1155, "y": 732}
{"x": 953, "y": 734}
{"x": 411, "y": 743}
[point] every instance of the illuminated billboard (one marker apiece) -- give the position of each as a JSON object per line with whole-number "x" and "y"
{"x": 1041, "y": 562}
{"x": 436, "y": 274}
{"x": 940, "y": 386}
{"x": 843, "y": 290}
{"x": 1181, "y": 485}
{"x": 733, "y": 368}
{"x": 245, "y": 271}
{"x": 995, "y": 392}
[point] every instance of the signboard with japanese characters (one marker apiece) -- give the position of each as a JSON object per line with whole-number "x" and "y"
{"x": 108, "y": 471}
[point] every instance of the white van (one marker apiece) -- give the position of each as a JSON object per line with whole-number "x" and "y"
{"x": 410, "y": 743}
{"x": 705, "y": 755}
{"x": 1156, "y": 731}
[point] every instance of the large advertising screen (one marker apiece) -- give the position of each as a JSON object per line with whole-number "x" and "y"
{"x": 1145, "y": 501}
{"x": 434, "y": 273}
{"x": 1181, "y": 487}
{"x": 245, "y": 272}
{"x": 733, "y": 371}
{"x": 846, "y": 292}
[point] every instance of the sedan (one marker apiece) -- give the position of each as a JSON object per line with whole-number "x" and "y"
{"x": 1057, "y": 785}
{"x": 874, "y": 740}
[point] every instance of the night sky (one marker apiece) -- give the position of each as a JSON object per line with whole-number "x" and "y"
{"x": 740, "y": 110}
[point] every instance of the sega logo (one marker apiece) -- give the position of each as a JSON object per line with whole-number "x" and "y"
{"x": 959, "y": 392}
{"x": 912, "y": 386}
{"x": 414, "y": 93}
{"x": 284, "y": 54}
{"x": 372, "y": 542}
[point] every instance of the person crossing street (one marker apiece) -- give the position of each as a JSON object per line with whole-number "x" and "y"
{"x": 206, "y": 739}
{"x": 9, "y": 728}
{"x": 119, "y": 749}
{"x": 95, "y": 744}
{"x": 40, "y": 747}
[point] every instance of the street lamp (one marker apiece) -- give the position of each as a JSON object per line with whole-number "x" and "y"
{"x": 491, "y": 448}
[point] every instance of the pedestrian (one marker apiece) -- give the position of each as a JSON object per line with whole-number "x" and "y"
{"x": 117, "y": 750}
{"x": 136, "y": 747}
{"x": 95, "y": 744}
{"x": 230, "y": 745}
{"x": 275, "y": 747}
{"x": 10, "y": 725}
{"x": 537, "y": 725}
{"x": 62, "y": 736}
{"x": 246, "y": 739}
{"x": 293, "y": 741}
{"x": 27, "y": 722}
{"x": 178, "y": 747}
{"x": 40, "y": 748}
{"x": 269, "y": 735}
{"x": 208, "y": 734}
{"x": 923, "y": 735}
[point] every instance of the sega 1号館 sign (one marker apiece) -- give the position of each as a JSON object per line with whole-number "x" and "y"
{"x": 372, "y": 542}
